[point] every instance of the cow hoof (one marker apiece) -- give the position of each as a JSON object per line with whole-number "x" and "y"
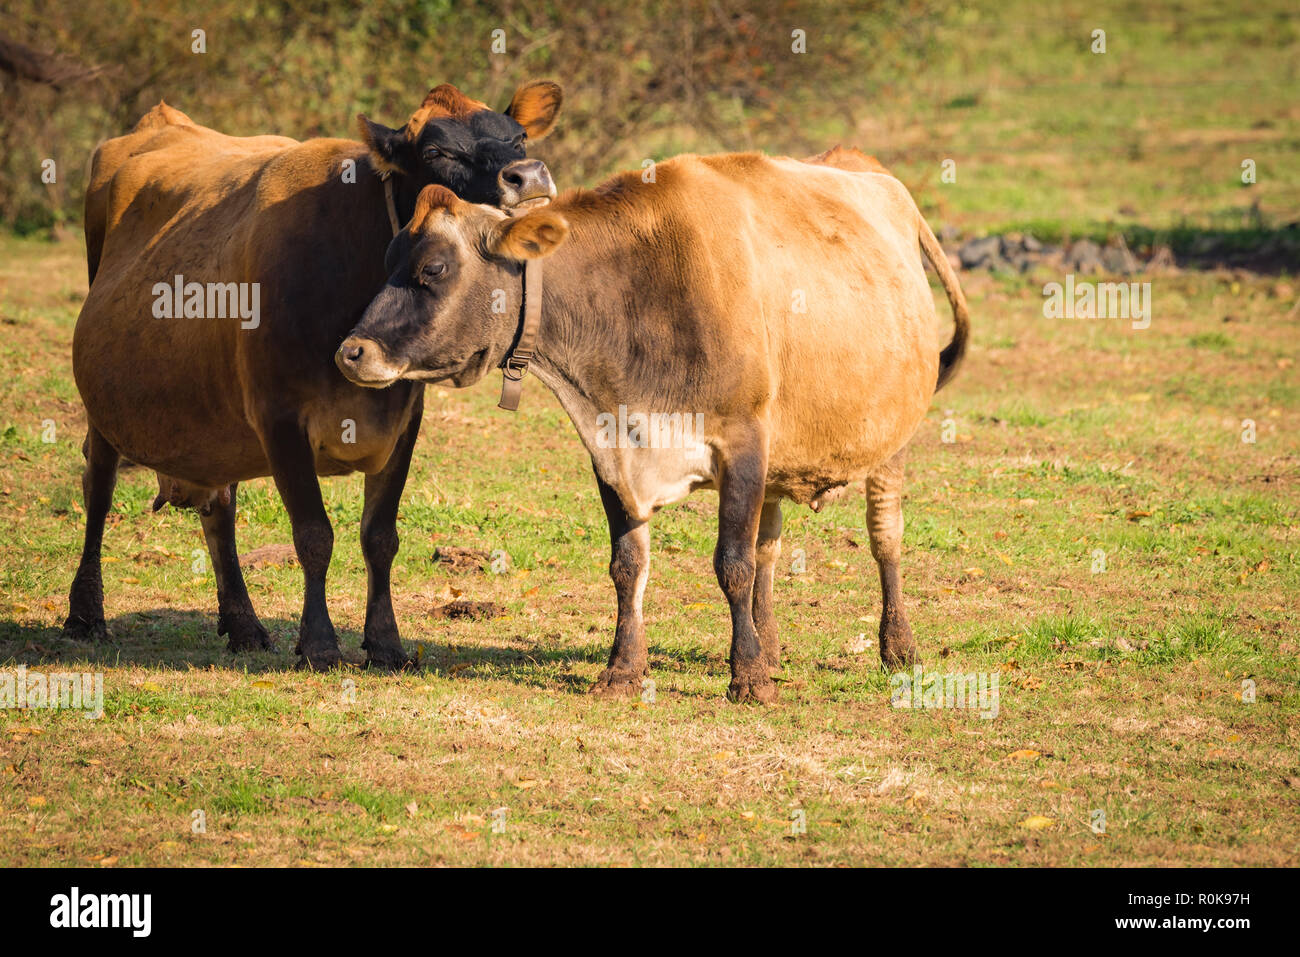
{"x": 617, "y": 683}
{"x": 245, "y": 633}
{"x": 322, "y": 659}
{"x": 897, "y": 655}
{"x": 390, "y": 660}
{"x": 77, "y": 628}
{"x": 761, "y": 690}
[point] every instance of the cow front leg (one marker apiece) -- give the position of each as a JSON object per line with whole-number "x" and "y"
{"x": 235, "y": 616}
{"x": 379, "y": 542}
{"x": 293, "y": 466}
{"x": 629, "y": 567}
{"x": 740, "y": 502}
{"x": 885, "y": 525}
{"x": 766, "y": 552}
{"x": 85, "y": 620}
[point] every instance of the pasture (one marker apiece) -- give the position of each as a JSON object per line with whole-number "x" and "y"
{"x": 1089, "y": 516}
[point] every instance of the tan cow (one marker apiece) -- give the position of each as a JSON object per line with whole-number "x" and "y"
{"x": 224, "y": 273}
{"x": 777, "y": 305}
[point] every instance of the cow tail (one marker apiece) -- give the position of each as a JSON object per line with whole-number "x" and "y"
{"x": 952, "y": 354}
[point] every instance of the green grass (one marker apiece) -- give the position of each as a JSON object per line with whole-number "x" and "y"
{"x": 1125, "y": 677}
{"x": 1145, "y": 140}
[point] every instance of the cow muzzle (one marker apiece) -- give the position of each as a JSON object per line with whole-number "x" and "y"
{"x": 524, "y": 183}
{"x": 365, "y": 362}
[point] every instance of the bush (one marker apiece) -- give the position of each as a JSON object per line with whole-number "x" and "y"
{"x": 644, "y": 79}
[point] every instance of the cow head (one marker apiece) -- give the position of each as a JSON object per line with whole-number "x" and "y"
{"x": 460, "y": 143}
{"x": 450, "y": 308}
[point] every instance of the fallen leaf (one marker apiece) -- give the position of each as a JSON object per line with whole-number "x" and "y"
{"x": 1024, "y": 754}
{"x": 1036, "y": 822}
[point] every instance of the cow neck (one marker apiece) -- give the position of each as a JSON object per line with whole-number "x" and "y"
{"x": 392, "y": 206}
{"x": 392, "y": 198}
{"x": 577, "y": 337}
{"x": 515, "y": 366}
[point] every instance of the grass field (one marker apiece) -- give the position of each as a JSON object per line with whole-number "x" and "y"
{"x": 1046, "y": 133}
{"x": 1071, "y": 436}
{"x": 1099, "y": 534}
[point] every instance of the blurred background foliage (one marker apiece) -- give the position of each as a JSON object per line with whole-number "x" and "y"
{"x": 1046, "y": 134}
{"x": 643, "y": 79}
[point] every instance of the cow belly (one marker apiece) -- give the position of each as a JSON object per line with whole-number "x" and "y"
{"x": 841, "y": 425}
{"x": 163, "y": 402}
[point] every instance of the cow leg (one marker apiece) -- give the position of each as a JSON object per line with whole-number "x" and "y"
{"x": 885, "y": 524}
{"x": 86, "y": 600}
{"x": 379, "y": 541}
{"x": 293, "y": 466}
{"x": 766, "y": 553}
{"x": 235, "y": 615}
{"x": 740, "y": 502}
{"x": 629, "y": 567}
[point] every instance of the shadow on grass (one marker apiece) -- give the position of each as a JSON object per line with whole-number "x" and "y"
{"x": 167, "y": 638}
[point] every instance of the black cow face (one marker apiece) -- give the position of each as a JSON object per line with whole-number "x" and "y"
{"x": 474, "y": 151}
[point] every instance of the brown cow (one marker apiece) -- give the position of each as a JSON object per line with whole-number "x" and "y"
{"x": 777, "y": 306}
{"x": 224, "y": 273}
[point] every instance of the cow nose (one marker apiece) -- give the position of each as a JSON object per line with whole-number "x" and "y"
{"x": 352, "y": 355}
{"x": 524, "y": 181}
{"x": 352, "y": 350}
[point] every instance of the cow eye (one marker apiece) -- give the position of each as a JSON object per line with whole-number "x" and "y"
{"x": 432, "y": 153}
{"x": 432, "y": 272}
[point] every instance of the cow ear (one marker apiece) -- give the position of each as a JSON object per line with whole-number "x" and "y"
{"x": 386, "y": 146}
{"x": 397, "y": 251}
{"x": 530, "y": 236}
{"x": 535, "y": 107}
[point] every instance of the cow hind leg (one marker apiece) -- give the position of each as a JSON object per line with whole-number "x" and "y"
{"x": 235, "y": 616}
{"x": 885, "y": 524}
{"x": 293, "y": 466}
{"x": 629, "y": 568}
{"x": 766, "y": 553}
{"x": 379, "y": 542}
{"x": 740, "y": 502}
{"x": 85, "y": 620}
